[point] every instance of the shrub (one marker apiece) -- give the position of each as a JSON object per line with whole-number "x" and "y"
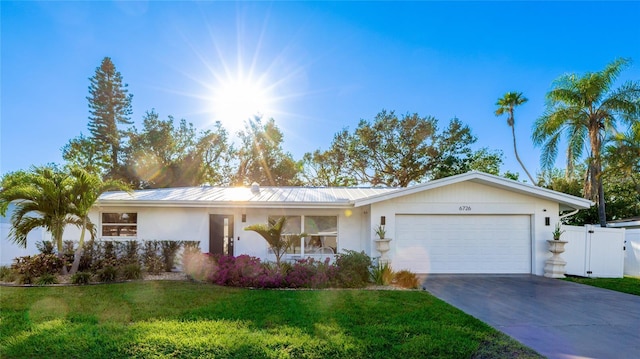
{"x": 241, "y": 271}
{"x": 90, "y": 254}
{"x": 353, "y": 269}
{"x": 81, "y": 278}
{"x": 169, "y": 250}
{"x": 130, "y": 253}
{"x": 68, "y": 251}
{"x": 7, "y": 274}
{"x": 108, "y": 274}
{"x": 382, "y": 274}
{"x": 45, "y": 247}
{"x": 46, "y": 279}
{"x": 406, "y": 279}
{"x": 131, "y": 271}
{"x": 24, "y": 279}
{"x": 152, "y": 261}
{"x": 310, "y": 273}
{"x": 36, "y": 266}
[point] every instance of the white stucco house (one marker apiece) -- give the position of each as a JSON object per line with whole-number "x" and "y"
{"x": 469, "y": 223}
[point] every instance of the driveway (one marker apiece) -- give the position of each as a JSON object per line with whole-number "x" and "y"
{"x": 556, "y": 318}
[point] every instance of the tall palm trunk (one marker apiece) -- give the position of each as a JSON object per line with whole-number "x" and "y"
{"x": 596, "y": 187}
{"x": 513, "y": 133}
{"x": 80, "y": 250}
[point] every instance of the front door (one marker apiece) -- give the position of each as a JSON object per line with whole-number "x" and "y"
{"x": 221, "y": 234}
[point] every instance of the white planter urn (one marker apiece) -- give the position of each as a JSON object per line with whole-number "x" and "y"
{"x": 382, "y": 246}
{"x": 554, "y": 266}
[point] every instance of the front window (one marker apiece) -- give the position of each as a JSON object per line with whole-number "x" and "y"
{"x": 119, "y": 224}
{"x": 321, "y": 231}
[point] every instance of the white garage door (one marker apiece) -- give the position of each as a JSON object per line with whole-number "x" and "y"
{"x": 463, "y": 243}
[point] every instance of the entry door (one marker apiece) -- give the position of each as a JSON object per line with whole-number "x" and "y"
{"x": 221, "y": 234}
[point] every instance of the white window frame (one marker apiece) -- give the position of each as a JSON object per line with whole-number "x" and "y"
{"x": 121, "y": 224}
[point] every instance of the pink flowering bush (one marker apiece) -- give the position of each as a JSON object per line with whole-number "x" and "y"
{"x": 310, "y": 273}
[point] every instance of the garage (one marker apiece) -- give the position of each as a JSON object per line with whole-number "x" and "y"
{"x": 498, "y": 244}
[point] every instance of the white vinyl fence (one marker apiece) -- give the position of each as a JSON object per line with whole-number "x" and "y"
{"x": 594, "y": 251}
{"x": 632, "y": 253}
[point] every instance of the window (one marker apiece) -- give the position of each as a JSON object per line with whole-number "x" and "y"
{"x": 322, "y": 234}
{"x": 119, "y": 224}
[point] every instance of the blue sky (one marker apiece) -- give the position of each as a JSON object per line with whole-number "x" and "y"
{"x": 321, "y": 66}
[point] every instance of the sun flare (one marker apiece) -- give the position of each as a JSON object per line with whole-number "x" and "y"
{"x": 236, "y": 100}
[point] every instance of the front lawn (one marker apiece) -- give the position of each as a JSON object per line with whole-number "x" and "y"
{"x": 625, "y": 285}
{"x": 192, "y": 320}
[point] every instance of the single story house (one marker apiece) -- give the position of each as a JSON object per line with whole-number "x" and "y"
{"x": 469, "y": 223}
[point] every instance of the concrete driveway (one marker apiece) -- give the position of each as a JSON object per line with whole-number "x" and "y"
{"x": 556, "y": 318}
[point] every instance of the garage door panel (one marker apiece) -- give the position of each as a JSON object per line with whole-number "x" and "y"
{"x": 463, "y": 243}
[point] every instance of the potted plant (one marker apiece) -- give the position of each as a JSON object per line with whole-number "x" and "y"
{"x": 382, "y": 243}
{"x": 557, "y": 232}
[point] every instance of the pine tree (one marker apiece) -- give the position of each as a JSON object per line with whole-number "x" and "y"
{"x": 109, "y": 106}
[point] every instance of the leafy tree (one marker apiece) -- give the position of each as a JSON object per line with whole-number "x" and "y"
{"x": 399, "y": 151}
{"x": 162, "y": 155}
{"x": 261, "y": 158}
{"x": 584, "y": 108}
{"x": 84, "y": 153}
{"x": 109, "y": 106}
{"x": 85, "y": 190}
{"x": 506, "y": 104}
{"x": 325, "y": 169}
{"x": 42, "y": 198}
{"x": 623, "y": 154}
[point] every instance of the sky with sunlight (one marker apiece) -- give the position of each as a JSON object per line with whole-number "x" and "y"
{"x": 315, "y": 67}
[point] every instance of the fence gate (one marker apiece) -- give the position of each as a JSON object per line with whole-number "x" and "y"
{"x": 594, "y": 251}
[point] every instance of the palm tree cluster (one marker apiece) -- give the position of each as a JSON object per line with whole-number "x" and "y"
{"x": 51, "y": 198}
{"x": 586, "y": 112}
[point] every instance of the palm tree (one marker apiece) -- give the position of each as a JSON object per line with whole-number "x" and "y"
{"x": 584, "y": 108}
{"x": 272, "y": 233}
{"x": 42, "y": 198}
{"x": 506, "y": 104}
{"x": 86, "y": 189}
{"x": 623, "y": 154}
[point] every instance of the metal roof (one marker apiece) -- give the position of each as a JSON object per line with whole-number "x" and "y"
{"x": 234, "y": 196}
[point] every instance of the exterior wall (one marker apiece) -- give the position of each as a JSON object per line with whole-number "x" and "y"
{"x": 632, "y": 253}
{"x": 472, "y": 198}
{"x": 179, "y": 223}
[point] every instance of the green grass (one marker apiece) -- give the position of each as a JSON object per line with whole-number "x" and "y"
{"x": 191, "y": 320}
{"x": 625, "y": 285}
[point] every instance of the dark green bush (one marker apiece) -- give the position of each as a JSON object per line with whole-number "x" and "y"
{"x": 7, "y": 274}
{"x": 81, "y": 278}
{"x": 169, "y": 250}
{"x": 131, "y": 271}
{"x": 130, "y": 252}
{"x": 353, "y": 269}
{"x": 45, "y": 247}
{"x": 382, "y": 274}
{"x": 46, "y": 279}
{"x": 90, "y": 253}
{"x": 108, "y": 274}
{"x": 36, "y": 266}
{"x": 151, "y": 258}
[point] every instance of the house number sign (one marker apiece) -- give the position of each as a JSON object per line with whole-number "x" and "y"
{"x": 464, "y": 208}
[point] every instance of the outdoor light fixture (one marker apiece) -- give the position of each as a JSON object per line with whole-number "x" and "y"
{"x": 547, "y": 221}
{"x": 244, "y": 218}
{"x": 383, "y": 220}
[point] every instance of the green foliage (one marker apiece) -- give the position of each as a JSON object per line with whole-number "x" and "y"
{"x": 406, "y": 279}
{"x": 45, "y": 247}
{"x": 628, "y": 285}
{"x": 7, "y": 274}
{"x": 382, "y": 274}
{"x": 109, "y": 106}
{"x": 162, "y": 155}
{"x": 169, "y": 251}
{"x": 131, "y": 271}
{"x": 130, "y": 253}
{"x": 353, "y": 269}
{"x": 583, "y": 109}
{"x": 107, "y": 274}
{"x": 81, "y": 278}
{"x": 36, "y": 266}
{"x": 272, "y": 233}
{"x": 192, "y": 320}
{"x": 151, "y": 258}
{"x": 261, "y": 158}
{"x": 46, "y": 279}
